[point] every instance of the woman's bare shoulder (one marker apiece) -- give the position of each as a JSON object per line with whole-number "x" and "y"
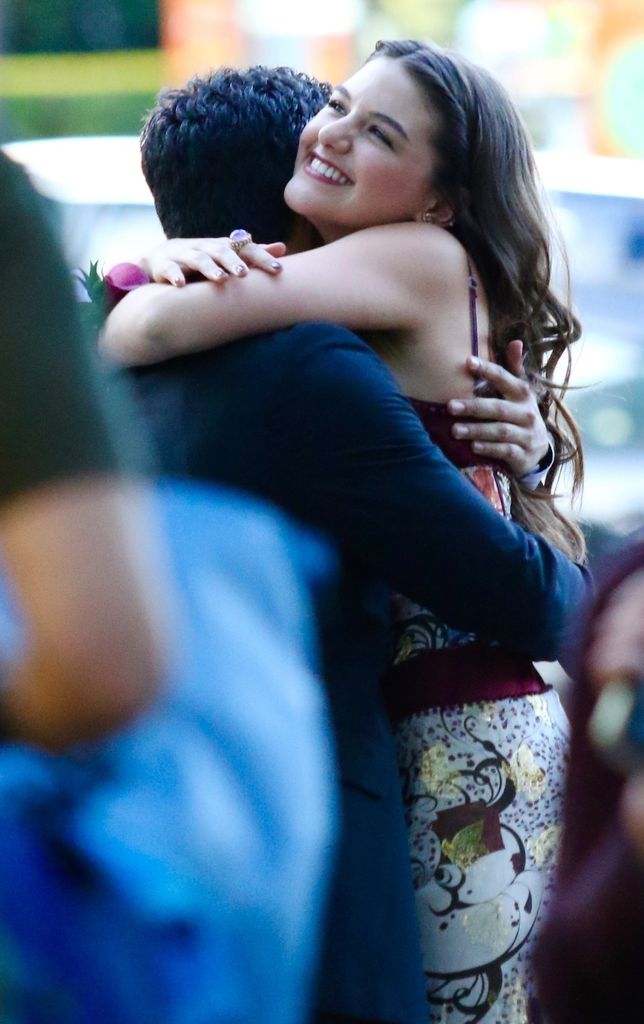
{"x": 429, "y": 252}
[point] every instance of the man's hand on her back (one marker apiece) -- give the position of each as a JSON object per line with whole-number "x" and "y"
{"x": 210, "y": 258}
{"x": 511, "y": 427}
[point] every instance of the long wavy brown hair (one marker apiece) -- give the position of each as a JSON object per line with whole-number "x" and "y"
{"x": 485, "y": 169}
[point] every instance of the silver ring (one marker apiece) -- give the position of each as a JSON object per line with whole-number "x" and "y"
{"x": 238, "y": 239}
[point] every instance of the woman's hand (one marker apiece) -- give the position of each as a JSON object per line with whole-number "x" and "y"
{"x": 511, "y": 428}
{"x": 211, "y": 258}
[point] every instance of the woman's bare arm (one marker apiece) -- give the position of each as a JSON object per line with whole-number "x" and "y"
{"x": 388, "y": 277}
{"x": 382, "y": 278}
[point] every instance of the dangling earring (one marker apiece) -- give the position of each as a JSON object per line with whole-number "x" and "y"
{"x": 428, "y": 217}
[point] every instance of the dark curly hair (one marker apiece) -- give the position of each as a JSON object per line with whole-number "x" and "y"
{"x": 217, "y": 153}
{"x": 485, "y": 169}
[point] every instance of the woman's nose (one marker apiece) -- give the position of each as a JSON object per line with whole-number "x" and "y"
{"x": 336, "y": 135}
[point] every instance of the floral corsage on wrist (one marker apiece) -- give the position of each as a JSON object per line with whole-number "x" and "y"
{"x": 100, "y": 293}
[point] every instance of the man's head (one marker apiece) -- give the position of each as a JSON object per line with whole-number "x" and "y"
{"x": 217, "y": 153}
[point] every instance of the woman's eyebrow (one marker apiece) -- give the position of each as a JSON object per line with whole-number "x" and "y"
{"x": 396, "y": 125}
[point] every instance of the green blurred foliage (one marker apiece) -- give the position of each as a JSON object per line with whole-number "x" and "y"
{"x": 29, "y": 117}
{"x": 58, "y": 26}
{"x": 422, "y": 19}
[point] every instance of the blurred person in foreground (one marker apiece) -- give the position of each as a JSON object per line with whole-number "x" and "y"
{"x": 157, "y": 695}
{"x": 312, "y": 418}
{"x": 592, "y": 947}
{"x": 75, "y": 535}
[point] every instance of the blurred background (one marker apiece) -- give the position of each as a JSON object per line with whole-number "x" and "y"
{"x": 77, "y": 77}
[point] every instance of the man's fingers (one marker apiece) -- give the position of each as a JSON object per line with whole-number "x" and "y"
{"x": 497, "y": 431}
{"x": 502, "y": 452}
{"x": 492, "y": 409}
{"x": 514, "y": 357}
{"x": 502, "y": 380}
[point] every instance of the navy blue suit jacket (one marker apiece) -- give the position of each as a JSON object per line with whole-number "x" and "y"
{"x": 312, "y": 420}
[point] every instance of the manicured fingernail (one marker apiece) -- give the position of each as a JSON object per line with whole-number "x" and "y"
{"x": 240, "y": 269}
{"x": 276, "y": 265}
{"x": 455, "y": 406}
{"x": 477, "y": 446}
{"x": 474, "y": 362}
{"x": 459, "y": 430}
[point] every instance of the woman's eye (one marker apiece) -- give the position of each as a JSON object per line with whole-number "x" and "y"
{"x": 379, "y": 134}
{"x": 336, "y": 105}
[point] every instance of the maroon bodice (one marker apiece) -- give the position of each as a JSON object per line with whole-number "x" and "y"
{"x": 438, "y": 422}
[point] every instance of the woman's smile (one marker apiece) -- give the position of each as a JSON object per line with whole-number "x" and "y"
{"x": 323, "y": 170}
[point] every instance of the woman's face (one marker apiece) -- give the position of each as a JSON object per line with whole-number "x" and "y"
{"x": 366, "y": 158}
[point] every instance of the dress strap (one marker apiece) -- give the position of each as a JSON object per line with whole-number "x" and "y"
{"x": 474, "y": 326}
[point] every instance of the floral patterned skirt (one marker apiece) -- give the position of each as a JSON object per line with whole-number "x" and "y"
{"x": 483, "y": 788}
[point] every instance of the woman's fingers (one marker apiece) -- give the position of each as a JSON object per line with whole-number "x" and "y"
{"x": 276, "y": 249}
{"x": 192, "y": 261}
{"x": 173, "y": 259}
{"x": 221, "y": 254}
{"x": 263, "y": 257}
{"x": 211, "y": 258}
{"x": 167, "y": 271}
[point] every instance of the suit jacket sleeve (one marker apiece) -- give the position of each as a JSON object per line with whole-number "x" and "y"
{"x": 360, "y": 464}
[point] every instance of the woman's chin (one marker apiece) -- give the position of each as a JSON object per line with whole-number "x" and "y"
{"x": 297, "y": 196}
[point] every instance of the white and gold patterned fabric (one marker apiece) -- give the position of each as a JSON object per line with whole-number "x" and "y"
{"x": 483, "y": 788}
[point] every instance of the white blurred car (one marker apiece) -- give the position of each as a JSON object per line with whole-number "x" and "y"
{"x": 104, "y": 210}
{"x": 599, "y": 205}
{"x": 99, "y": 199}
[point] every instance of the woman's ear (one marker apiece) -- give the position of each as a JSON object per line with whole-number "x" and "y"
{"x": 439, "y": 212}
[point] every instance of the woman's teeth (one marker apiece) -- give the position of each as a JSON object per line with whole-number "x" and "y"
{"x": 326, "y": 171}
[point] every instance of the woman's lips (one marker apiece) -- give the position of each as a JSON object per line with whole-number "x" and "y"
{"x": 324, "y": 171}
